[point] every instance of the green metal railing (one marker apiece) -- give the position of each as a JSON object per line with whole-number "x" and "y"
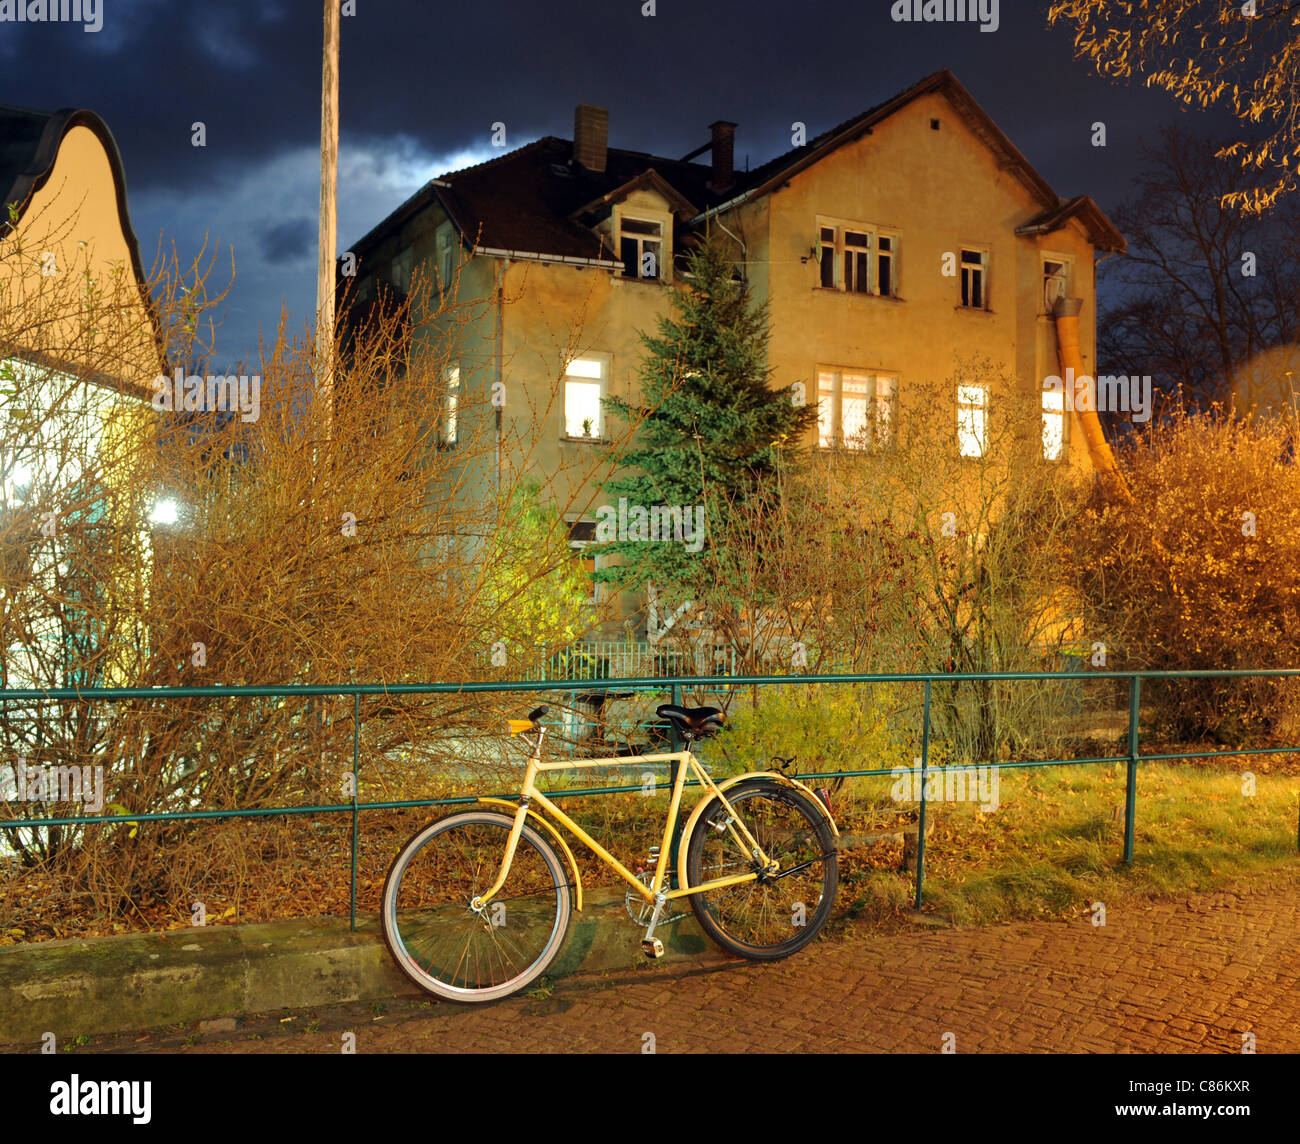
{"x": 675, "y": 687}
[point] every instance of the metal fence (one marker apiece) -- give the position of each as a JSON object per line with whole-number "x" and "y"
{"x": 674, "y": 687}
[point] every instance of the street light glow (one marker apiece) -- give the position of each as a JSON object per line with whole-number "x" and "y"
{"x": 165, "y": 512}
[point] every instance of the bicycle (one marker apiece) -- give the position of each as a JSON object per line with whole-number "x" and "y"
{"x": 477, "y": 905}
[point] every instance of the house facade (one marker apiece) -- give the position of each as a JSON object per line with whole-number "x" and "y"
{"x": 889, "y": 250}
{"x": 79, "y": 348}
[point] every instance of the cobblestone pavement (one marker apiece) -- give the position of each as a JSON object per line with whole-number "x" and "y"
{"x": 1184, "y": 975}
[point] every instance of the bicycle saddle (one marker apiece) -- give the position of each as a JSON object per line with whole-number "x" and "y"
{"x": 693, "y": 722}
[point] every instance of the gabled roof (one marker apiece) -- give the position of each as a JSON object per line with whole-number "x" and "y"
{"x": 29, "y": 146}
{"x": 527, "y": 199}
{"x": 1101, "y": 231}
{"x": 530, "y": 199}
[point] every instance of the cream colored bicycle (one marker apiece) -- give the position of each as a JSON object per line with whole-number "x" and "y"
{"x": 476, "y": 906}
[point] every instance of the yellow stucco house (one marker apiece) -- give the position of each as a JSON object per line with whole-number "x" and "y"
{"x": 79, "y": 347}
{"x": 883, "y": 247}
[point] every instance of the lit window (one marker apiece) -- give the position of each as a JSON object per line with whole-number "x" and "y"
{"x": 1053, "y": 425}
{"x": 855, "y": 410}
{"x": 583, "y": 388}
{"x": 972, "y": 419}
{"x": 641, "y": 247}
{"x": 452, "y": 377}
{"x": 974, "y": 293}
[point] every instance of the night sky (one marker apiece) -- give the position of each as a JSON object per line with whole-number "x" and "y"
{"x": 422, "y": 84}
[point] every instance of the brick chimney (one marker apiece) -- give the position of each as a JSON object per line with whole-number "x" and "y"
{"x": 724, "y": 149}
{"x": 590, "y": 136}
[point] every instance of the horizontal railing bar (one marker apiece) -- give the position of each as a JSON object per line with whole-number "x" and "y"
{"x": 643, "y": 684}
{"x": 263, "y": 812}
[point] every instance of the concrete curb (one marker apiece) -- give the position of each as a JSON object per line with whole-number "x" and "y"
{"x": 134, "y": 981}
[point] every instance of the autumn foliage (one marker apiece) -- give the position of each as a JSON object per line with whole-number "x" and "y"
{"x": 1198, "y": 570}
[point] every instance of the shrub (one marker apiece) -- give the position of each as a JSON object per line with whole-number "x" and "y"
{"x": 1198, "y": 569}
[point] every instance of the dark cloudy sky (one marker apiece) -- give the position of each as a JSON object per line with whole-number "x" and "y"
{"x": 423, "y": 82}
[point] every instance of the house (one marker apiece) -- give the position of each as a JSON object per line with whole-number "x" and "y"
{"x": 79, "y": 347}
{"x": 883, "y": 247}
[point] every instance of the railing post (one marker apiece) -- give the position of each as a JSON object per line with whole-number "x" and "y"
{"x": 1130, "y": 788}
{"x": 356, "y": 766}
{"x": 676, "y": 694}
{"x": 920, "y": 818}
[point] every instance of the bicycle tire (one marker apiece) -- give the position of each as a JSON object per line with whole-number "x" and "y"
{"x": 770, "y": 919}
{"x": 444, "y": 946}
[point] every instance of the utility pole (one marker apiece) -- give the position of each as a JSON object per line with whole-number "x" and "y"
{"x": 324, "y": 355}
{"x": 329, "y": 177}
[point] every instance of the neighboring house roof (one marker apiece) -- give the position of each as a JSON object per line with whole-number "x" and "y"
{"x": 528, "y": 200}
{"x": 29, "y": 147}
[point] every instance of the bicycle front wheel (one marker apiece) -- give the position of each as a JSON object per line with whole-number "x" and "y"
{"x": 770, "y": 918}
{"x": 459, "y": 951}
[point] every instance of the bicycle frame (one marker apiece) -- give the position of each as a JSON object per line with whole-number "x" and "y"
{"x": 654, "y": 893}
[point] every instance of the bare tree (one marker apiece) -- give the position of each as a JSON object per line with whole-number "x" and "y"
{"x": 1203, "y": 290}
{"x": 1240, "y": 56}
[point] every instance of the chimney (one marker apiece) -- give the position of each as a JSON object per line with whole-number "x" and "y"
{"x": 724, "y": 148}
{"x": 590, "y": 136}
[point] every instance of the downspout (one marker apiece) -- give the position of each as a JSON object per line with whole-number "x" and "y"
{"x": 1066, "y": 313}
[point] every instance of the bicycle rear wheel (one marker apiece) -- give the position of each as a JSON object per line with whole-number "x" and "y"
{"x": 458, "y": 952}
{"x": 777, "y": 915}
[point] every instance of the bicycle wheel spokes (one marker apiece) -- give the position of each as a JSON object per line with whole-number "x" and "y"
{"x": 461, "y": 952}
{"x": 777, "y": 914}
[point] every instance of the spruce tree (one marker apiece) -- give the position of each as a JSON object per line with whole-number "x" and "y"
{"x": 708, "y": 428}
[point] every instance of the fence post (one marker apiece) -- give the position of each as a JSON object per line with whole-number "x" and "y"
{"x": 356, "y": 764}
{"x": 920, "y": 818}
{"x": 1130, "y": 789}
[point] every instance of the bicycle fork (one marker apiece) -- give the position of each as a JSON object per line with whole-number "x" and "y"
{"x": 479, "y": 903}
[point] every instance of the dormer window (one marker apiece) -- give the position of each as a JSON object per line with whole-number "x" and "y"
{"x": 641, "y": 247}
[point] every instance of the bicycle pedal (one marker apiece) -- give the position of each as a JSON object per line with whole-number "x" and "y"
{"x": 653, "y": 948}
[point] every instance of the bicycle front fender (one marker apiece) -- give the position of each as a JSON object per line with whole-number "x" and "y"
{"x": 775, "y": 776}
{"x": 513, "y": 807}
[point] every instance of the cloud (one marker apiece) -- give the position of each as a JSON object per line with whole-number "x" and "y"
{"x": 268, "y": 211}
{"x": 288, "y": 241}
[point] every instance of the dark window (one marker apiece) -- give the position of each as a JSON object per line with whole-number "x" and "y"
{"x": 885, "y": 266}
{"x": 857, "y": 253}
{"x": 972, "y": 279}
{"x": 828, "y": 256}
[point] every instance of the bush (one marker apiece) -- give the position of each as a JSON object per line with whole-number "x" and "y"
{"x": 1197, "y": 570}
{"x": 825, "y": 727}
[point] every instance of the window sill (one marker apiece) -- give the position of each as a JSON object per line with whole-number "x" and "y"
{"x": 638, "y": 281}
{"x": 566, "y": 439}
{"x": 975, "y": 310}
{"x": 856, "y": 294}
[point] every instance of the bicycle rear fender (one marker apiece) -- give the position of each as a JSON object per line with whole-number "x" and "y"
{"x": 513, "y": 808}
{"x": 775, "y": 776}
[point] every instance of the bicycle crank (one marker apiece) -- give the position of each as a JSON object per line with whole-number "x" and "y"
{"x": 640, "y": 910}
